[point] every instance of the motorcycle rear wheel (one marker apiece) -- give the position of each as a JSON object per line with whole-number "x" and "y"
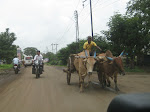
{"x": 16, "y": 71}
{"x": 37, "y": 73}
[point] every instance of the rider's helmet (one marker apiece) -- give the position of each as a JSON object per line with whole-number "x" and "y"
{"x": 38, "y": 50}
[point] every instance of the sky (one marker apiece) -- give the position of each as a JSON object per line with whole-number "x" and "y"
{"x": 41, "y": 23}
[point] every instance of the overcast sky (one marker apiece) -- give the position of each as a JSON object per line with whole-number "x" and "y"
{"x": 39, "y": 23}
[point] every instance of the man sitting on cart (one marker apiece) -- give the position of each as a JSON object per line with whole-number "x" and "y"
{"x": 89, "y": 44}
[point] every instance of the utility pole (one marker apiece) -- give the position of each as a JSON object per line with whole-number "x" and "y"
{"x": 52, "y": 47}
{"x": 77, "y": 29}
{"x": 47, "y": 49}
{"x": 91, "y": 19}
{"x": 91, "y": 16}
{"x": 56, "y": 47}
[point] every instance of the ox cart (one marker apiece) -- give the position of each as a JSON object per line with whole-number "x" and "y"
{"x": 83, "y": 63}
{"x": 107, "y": 66}
{"x": 70, "y": 67}
{"x": 70, "y": 63}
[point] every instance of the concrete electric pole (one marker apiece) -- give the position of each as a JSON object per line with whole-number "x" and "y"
{"x": 52, "y": 47}
{"x": 77, "y": 29}
{"x": 56, "y": 47}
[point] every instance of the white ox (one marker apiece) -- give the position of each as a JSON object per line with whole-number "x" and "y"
{"x": 84, "y": 65}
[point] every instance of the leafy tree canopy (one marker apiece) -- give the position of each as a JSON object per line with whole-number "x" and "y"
{"x": 30, "y": 51}
{"x": 7, "y": 49}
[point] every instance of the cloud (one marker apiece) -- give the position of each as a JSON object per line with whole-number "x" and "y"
{"x": 39, "y": 23}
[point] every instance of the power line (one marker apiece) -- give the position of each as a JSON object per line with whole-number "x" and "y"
{"x": 87, "y": 14}
{"x": 72, "y": 24}
{"x": 77, "y": 4}
{"x": 100, "y": 4}
{"x": 96, "y": 3}
{"x": 81, "y": 11}
{"x": 86, "y": 6}
{"x": 108, "y": 4}
{"x": 91, "y": 16}
{"x": 69, "y": 27}
{"x": 101, "y": 7}
{"x": 67, "y": 30}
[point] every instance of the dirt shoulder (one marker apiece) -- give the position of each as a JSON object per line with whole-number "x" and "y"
{"x": 8, "y": 75}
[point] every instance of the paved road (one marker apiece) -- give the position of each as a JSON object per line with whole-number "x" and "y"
{"x": 50, "y": 93}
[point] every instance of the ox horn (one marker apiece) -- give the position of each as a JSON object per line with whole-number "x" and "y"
{"x": 95, "y": 54}
{"x": 110, "y": 58}
{"x": 86, "y": 53}
{"x": 121, "y": 53}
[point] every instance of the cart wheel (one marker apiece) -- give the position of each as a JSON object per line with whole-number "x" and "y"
{"x": 68, "y": 78}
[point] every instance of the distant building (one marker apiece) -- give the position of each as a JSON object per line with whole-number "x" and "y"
{"x": 19, "y": 53}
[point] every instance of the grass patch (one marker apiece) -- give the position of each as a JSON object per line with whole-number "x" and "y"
{"x": 6, "y": 66}
{"x": 136, "y": 69}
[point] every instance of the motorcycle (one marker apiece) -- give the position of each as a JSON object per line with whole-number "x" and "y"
{"x": 16, "y": 68}
{"x": 37, "y": 68}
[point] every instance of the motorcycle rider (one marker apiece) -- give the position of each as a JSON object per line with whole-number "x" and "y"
{"x": 39, "y": 57}
{"x": 16, "y": 62}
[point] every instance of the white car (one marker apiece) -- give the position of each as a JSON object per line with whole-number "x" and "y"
{"x": 28, "y": 60}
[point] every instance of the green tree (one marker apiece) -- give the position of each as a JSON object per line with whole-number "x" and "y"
{"x": 7, "y": 49}
{"x": 102, "y": 42}
{"x": 141, "y": 10}
{"x": 30, "y": 51}
{"x": 124, "y": 33}
{"x": 64, "y": 53}
{"x": 52, "y": 58}
{"x": 116, "y": 33}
